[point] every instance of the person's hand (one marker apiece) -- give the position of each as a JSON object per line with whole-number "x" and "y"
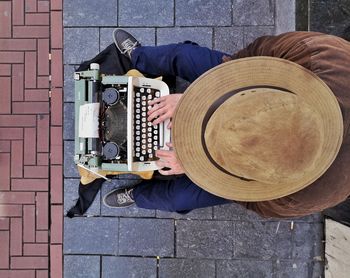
{"x": 163, "y": 108}
{"x": 168, "y": 159}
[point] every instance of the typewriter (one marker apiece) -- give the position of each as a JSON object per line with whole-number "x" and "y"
{"x": 111, "y": 128}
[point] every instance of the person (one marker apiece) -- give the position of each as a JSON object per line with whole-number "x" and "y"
{"x": 326, "y": 56}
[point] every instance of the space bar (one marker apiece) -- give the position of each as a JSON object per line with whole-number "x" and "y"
{"x": 161, "y": 138}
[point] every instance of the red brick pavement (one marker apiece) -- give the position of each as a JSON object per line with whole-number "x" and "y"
{"x": 31, "y": 81}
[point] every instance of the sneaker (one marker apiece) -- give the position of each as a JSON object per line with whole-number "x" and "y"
{"x": 119, "y": 198}
{"x": 125, "y": 42}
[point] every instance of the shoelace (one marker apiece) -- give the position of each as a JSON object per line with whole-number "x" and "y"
{"x": 123, "y": 198}
{"x": 128, "y": 45}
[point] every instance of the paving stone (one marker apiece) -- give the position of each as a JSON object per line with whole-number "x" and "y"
{"x": 91, "y": 235}
{"x": 291, "y": 269}
{"x": 90, "y": 13}
{"x": 308, "y": 240}
{"x": 71, "y": 195}
{"x": 203, "y": 13}
{"x": 251, "y": 12}
{"x": 284, "y": 16}
{"x": 201, "y": 35}
{"x": 179, "y": 268}
{"x": 244, "y": 269}
{"x": 69, "y": 83}
{"x": 81, "y": 266}
{"x": 202, "y": 213}
{"x": 68, "y": 121}
{"x": 80, "y": 44}
{"x": 70, "y": 169}
{"x": 316, "y": 217}
{"x": 132, "y": 211}
{"x": 146, "y": 237}
{"x": 128, "y": 267}
{"x": 263, "y": 240}
{"x": 228, "y": 39}
{"x": 204, "y": 239}
{"x": 235, "y": 211}
{"x": 146, "y": 13}
{"x": 317, "y": 269}
{"x": 146, "y": 36}
{"x": 253, "y": 32}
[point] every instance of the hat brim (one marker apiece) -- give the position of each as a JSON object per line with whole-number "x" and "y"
{"x": 232, "y": 76}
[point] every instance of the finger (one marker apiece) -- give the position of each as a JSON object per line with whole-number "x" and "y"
{"x": 164, "y": 154}
{"x": 161, "y": 119}
{"x": 169, "y": 144}
{"x": 170, "y": 124}
{"x": 156, "y": 107}
{"x": 157, "y": 100}
{"x": 156, "y": 114}
{"x": 161, "y": 164}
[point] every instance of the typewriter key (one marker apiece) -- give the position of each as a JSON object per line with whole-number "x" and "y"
{"x": 110, "y": 96}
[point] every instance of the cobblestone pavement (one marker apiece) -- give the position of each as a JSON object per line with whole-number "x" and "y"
{"x": 223, "y": 241}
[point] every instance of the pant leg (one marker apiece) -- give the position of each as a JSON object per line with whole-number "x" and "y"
{"x": 179, "y": 195}
{"x": 185, "y": 60}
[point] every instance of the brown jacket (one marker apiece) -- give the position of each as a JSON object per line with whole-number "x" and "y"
{"x": 329, "y": 58}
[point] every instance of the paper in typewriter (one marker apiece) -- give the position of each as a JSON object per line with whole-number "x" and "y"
{"x": 88, "y": 120}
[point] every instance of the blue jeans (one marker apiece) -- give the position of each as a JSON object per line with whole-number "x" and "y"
{"x": 188, "y": 61}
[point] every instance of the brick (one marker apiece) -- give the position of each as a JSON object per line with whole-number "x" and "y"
{"x": 56, "y": 29}
{"x": 18, "y": 12}
{"x": 10, "y": 210}
{"x": 43, "y": 82}
{"x": 56, "y": 184}
{"x": 11, "y": 133}
{"x": 159, "y": 240}
{"x": 37, "y": 95}
{"x": 36, "y": 172}
{"x": 32, "y": 249}
{"x": 29, "y": 146}
{"x": 17, "y": 273}
{"x": 5, "y": 101}
{"x": 37, "y": 19}
{"x": 17, "y": 82}
{"x": 18, "y": 44}
{"x": 43, "y": 6}
{"x": 17, "y": 197}
{"x": 56, "y": 106}
{"x": 29, "y": 223}
{"x": 30, "y": 6}
{"x": 132, "y": 267}
{"x": 43, "y": 57}
{"x": 30, "y": 107}
{"x": 11, "y": 57}
{"x": 5, "y": 147}
{"x": 5, "y": 249}
{"x": 17, "y": 159}
{"x": 42, "y": 236}
{"x": 31, "y": 32}
{"x": 86, "y": 266}
{"x": 29, "y": 262}
{"x": 42, "y": 273}
{"x": 16, "y": 237}
{"x": 30, "y": 70}
{"x": 17, "y": 120}
{"x": 5, "y": 224}
{"x": 56, "y": 68}
{"x": 56, "y": 145}
{"x": 5, "y": 19}
{"x": 56, "y": 224}
{"x": 56, "y": 257}
{"x": 29, "y": 184}
{"x": 5, "y": 171}
{"x": 56, "y": 4}
{"x": 42, "y": 159}
{"x": 42, "y": 211}
{"x": 5, "y": 70}
{"x": 187, "y": 267}
{"x": 43, "y": 133}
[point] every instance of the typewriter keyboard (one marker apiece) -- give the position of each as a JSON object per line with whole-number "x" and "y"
{"x": 147, "y": 137}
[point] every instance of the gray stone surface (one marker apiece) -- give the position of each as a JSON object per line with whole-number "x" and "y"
{"x": 146, "y": 237}
{"x": 204, "y": 239}
{"x": 285, "y": 16}
{"x": 179, "y": 268}
{"x": 91, "y": 235}
{"x": 114, "y": 267}
{"x": 71, "y": 188}
{"x": 146, "y": 13}
{"x": 291, "y": 269}
{"x": 253, "y": 32}
{"x": 251, "y": 12}
{"x": 203, "y": 213}
{"x": 81, "y": 266}
{"x": 235, "y": 212}
{"x": 203, "y": 13}
{"x": 88, "y": 12}
{"x": 228, "y": 39}
{"x": 80, "y": 44}
{"x": 201, "y": 35}
{"x": 244, "y": 269}
{"x": 68, "y": 121}
{"x": 69, "y": 83}
{"x": 70, "y": 169}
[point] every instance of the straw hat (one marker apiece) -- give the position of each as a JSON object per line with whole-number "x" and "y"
{"x": 257, "y": 129}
